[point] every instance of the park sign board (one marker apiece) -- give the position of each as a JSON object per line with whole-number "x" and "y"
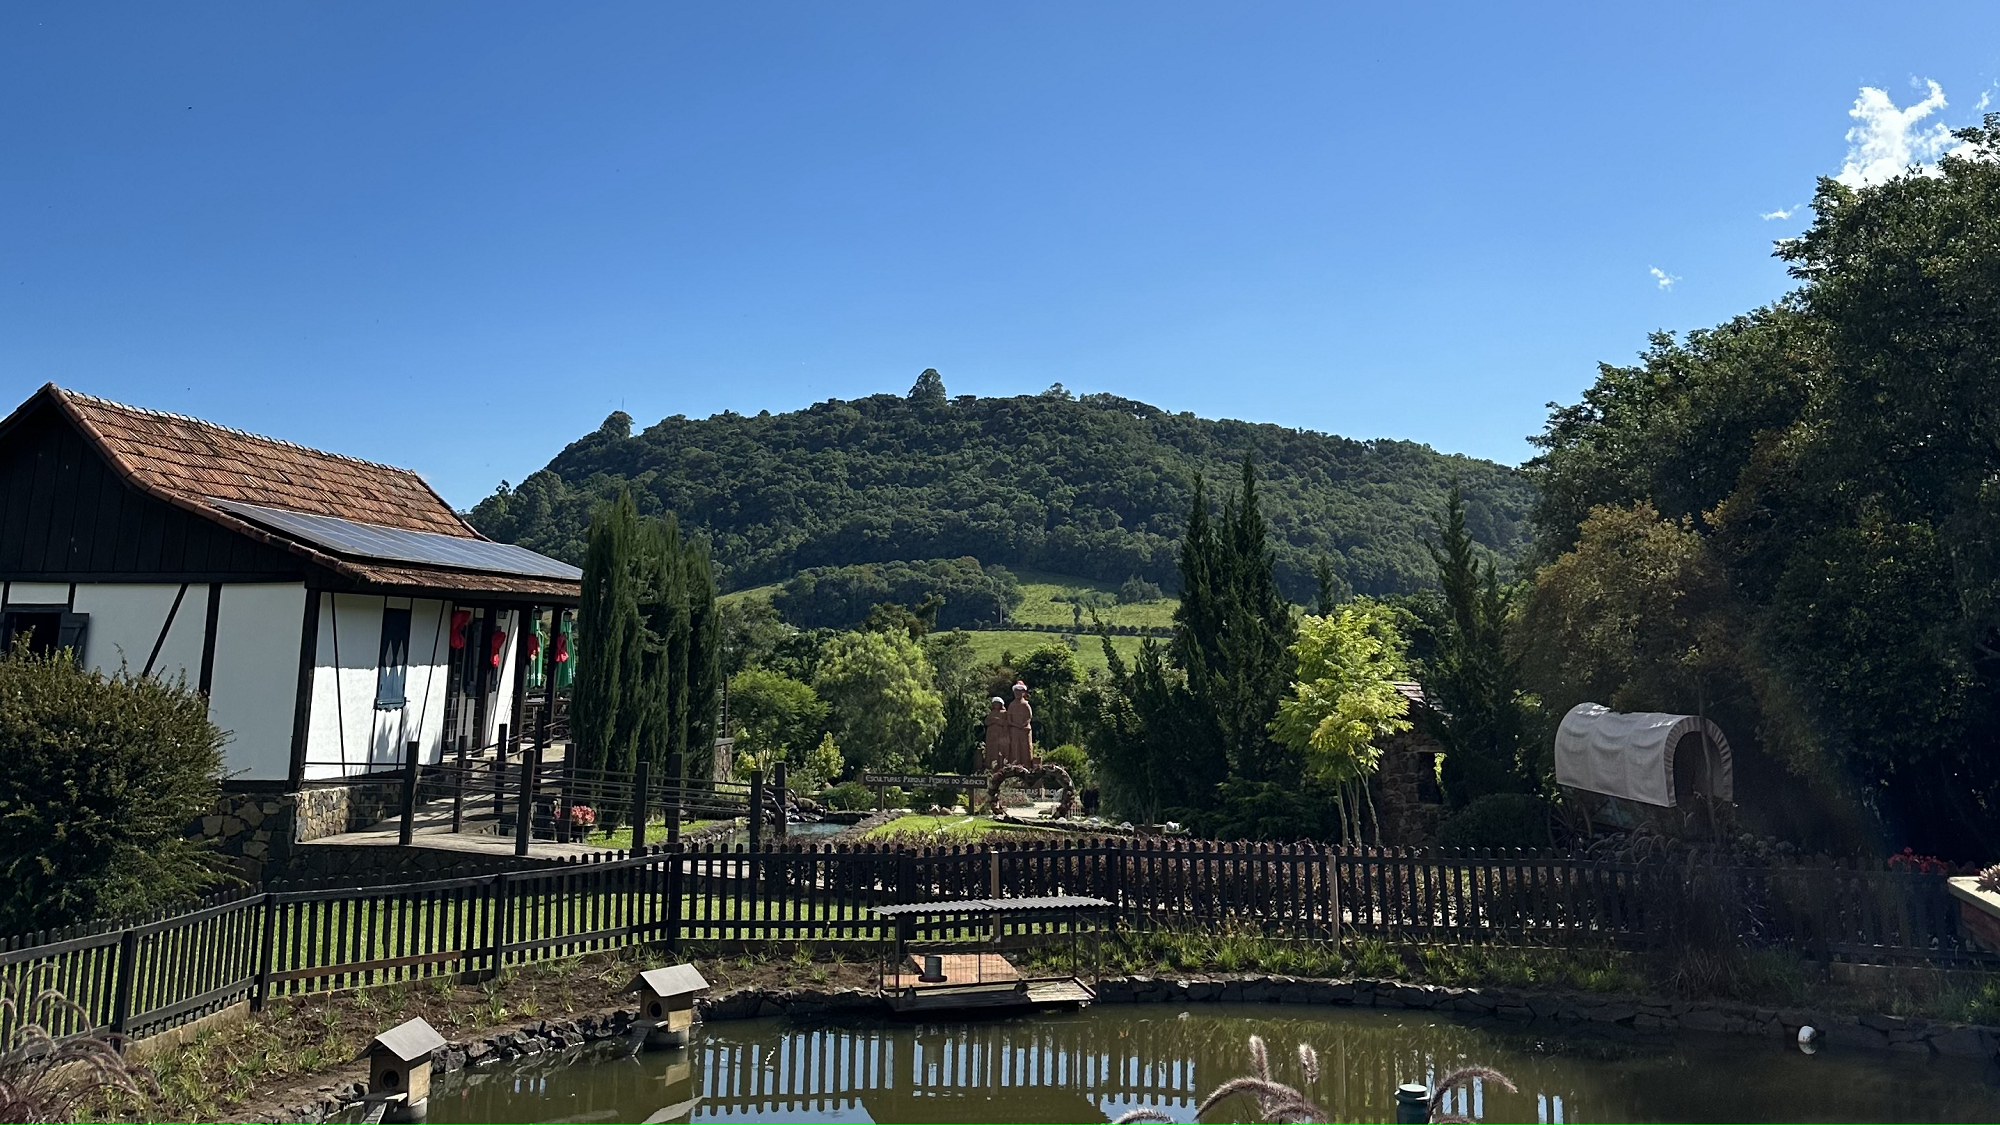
{"x": 923, "y": 780}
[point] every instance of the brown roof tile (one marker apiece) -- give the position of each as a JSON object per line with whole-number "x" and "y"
{"x": 195, "y": 460}
{"x": 189, "y": 463}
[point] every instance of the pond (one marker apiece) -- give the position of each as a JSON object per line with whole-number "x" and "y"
{"x": 1098, "y": 1063}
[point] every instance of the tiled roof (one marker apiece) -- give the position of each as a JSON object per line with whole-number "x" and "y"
{"x": 191, "y": 463}
{"x": 196, "y": 460}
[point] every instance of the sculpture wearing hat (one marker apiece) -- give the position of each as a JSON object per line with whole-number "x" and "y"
{"x": 1020, "y": 728}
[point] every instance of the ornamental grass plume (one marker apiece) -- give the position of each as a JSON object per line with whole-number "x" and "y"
{"x": 1989, "y": 880}
{"x": 1280, "y": 1104}
{"x": 44, "y": 1079}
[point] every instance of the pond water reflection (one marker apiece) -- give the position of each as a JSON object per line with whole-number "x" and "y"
{"x": 1096, "y": 1064}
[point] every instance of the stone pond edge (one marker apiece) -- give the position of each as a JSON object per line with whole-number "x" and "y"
{"x": 1873, "y": 1032}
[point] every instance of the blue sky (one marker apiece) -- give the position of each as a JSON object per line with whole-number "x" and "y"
{"x": 455, "y": 236}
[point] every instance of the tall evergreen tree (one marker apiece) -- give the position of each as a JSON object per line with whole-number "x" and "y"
{"x": 1472, "y": 679}
{"x": 606, "y": 714}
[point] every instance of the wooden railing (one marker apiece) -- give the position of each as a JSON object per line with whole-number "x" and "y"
{"x": 143, "y": 975}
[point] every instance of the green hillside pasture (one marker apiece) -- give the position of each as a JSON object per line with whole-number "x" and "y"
{"x": 1044, "y": 601}
{"x": 989, "y": 644}
{"x": 760, "y": 593}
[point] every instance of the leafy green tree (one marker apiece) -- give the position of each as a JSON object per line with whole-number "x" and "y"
{"x": 1837, "y": 452}
{"x": 1094, "y": 485}
{"x": 1473, "y": 675}
{"x": 104, "y": 775}
{"x": 1343, "y": 701}
{"x": 960, "y": 680}
{"x": 1053, "y": 677}
{"x": 823, "y": 764}
{"x": 886, "y": 710}
{"x": 777, "y": 718}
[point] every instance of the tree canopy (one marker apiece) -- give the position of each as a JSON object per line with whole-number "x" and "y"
{"x": 1097, "y": 486}
{"x": 1838, "y": 455}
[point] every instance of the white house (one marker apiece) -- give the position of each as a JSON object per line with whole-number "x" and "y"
{"x": 332, "y": 609}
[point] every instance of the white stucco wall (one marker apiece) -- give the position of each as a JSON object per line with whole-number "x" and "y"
{"x": 256, "y": 675}
{"x": 126, "y": 621}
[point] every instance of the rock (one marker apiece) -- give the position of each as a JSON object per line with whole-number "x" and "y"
{"x": 1545, "y": 1007}
{"x": 1232, "y": 992}
{"x": 1412, "y": 996}
{"x": 1880, "y": 1022}
{"x": 1852, "y": 1033}
{"x": 1204, "y": 990}
{"x": 253, "y": 813}
{"x": 1473, "y": 1000}
{"x": 1963, "y": 1042}
{"x": 1705, "y": 1019}
{"x": 479, "y": 1050}
{"x": 770, "y": 1006}
{"x": 1648, "y": 1020}
{"x": 256, "y": 849}
{"x": 453, "y": 1060}
{"x": 211, "y": 826}
{"x": 1613, "y": 1013}
{"x": 1514, "y": 1012}
{"x": 1340, "y": 992}
{"x": 231, "y": 825}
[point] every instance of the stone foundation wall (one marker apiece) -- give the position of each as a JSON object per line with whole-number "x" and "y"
{"x": 253, "y": 830}
{"x": 333, "y": 809}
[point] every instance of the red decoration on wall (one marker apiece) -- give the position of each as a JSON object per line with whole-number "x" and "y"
{"x": 534, "y": 645}
{"x": 460, "y": 618}
{"x": 498, "y": 642}
{"x": 562, "y": 648}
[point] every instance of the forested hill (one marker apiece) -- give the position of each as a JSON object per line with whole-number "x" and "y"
{"x": 1096, "y": 486}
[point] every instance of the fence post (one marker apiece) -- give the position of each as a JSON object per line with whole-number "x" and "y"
{"x": 458, "y": 790}
{"x": 639, "y": 781}
{"x": 756, "y": 809}
{"x": 121, "y": 1005}
{"x": 906, "y": 875}
{"x": 674, "y": 862}
{"x": 496, "y": 925}
{"x": 263, "y": 989}
{"x": 778, "y": 790}
{"x": 412, "y": 764}
{"x": 500, "y": 774}
{"x": 524, "y": 817}
{"x": 676, "y": 783}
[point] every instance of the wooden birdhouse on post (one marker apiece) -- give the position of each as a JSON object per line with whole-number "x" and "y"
{"x": 399, "y": 1069}
{"x": 666, "y": 1001}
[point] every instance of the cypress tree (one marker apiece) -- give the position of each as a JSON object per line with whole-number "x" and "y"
{"x": 1472, "y": 680}
{"x": 605, "y": 722}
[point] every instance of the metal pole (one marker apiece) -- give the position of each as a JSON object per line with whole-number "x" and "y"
{"x": 778, "y": 789}
{"x": 458, "y": 789}
{"x": 639, "y": 780}
{"x": 500, "y": 774}
{"x": 411, "y": 764}
{"x": 756, "y": 809}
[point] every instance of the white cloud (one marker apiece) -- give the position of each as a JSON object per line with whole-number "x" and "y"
{"x": 1781, "y": 213}
{"x": 1985, "y": 99}
{"x": 1666, "y": 280}
{"x": 1888, "y": 141}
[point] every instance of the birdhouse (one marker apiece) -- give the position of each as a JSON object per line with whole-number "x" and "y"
{"x": 399, "y": 1067}
{"x": 666, "y": 1000}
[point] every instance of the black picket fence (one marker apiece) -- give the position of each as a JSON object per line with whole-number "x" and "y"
{"x": 141, "y": 976}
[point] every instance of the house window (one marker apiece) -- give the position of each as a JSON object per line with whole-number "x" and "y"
{"x": 46, "y": 627}
{"x": 392, "y": 669}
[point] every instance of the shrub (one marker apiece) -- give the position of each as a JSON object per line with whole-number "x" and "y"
{"x": 1136, "y": 590}
{"x": 942, "y": 797}
{"x": 1071, "y": 757}
{"x": 1498, "y": 820}
{"x": 104, "y": 776}
{"x": 848, "y": 797}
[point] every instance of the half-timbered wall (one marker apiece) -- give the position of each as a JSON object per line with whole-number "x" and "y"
{"x": 248, "y": 647}
{"x": 348, "y": 734}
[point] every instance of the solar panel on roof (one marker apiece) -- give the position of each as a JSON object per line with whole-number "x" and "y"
{"x": 373, "y": 541}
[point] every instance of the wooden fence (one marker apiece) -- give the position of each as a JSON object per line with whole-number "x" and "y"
{"x": 142, "y": 976}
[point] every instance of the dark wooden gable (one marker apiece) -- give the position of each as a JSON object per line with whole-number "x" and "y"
{"x": 67, "y": 515}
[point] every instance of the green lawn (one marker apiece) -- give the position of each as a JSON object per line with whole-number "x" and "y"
{"x": 917, "y": 828}
{"x": 1042, "y": 604}
{"x": 656, "y": 832}
{"x": 989, "y": 644}
{"x": 760, "y": 592}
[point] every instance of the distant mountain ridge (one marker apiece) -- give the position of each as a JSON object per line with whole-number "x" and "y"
{"x": 1096, "y": 486}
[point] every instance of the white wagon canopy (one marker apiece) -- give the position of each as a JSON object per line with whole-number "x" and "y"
{"x": 1648, "y": 757}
